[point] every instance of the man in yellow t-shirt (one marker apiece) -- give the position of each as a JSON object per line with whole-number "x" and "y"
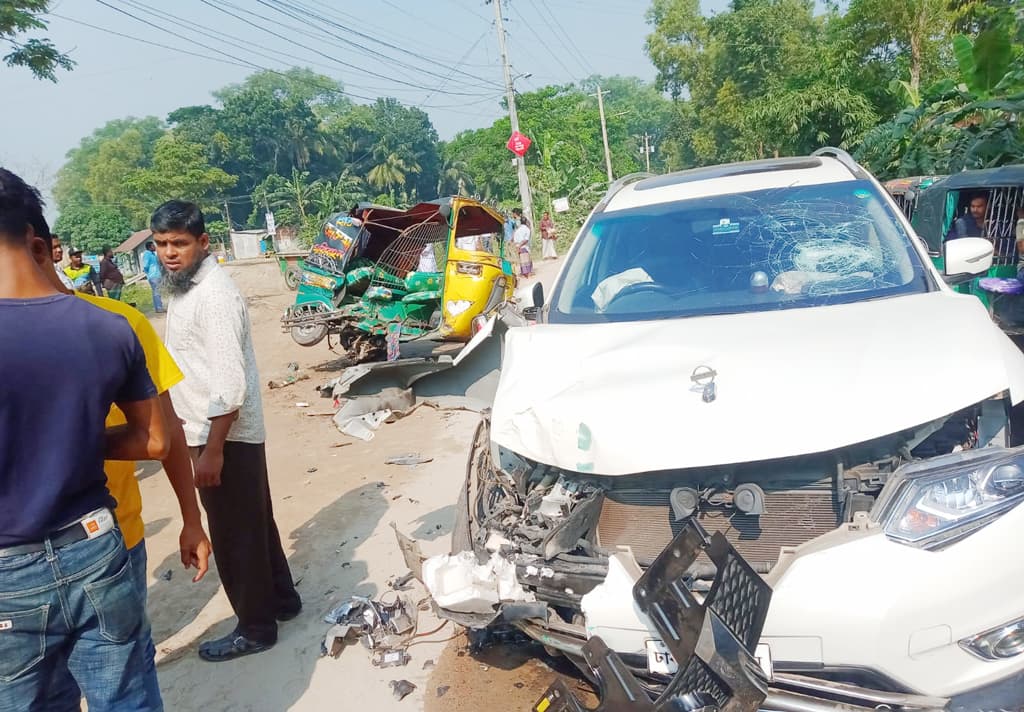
{"x": 193, "y": 542}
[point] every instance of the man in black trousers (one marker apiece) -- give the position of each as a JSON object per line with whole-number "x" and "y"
{"x": 210, "y": 337}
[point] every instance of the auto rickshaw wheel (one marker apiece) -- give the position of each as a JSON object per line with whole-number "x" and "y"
{"x": 309, "y": 334}
{"x": 293, "y": 278}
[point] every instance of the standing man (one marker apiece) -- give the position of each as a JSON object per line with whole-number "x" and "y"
{"x": 193, "y": 544}
{"x": 151, "y": 268}
{"x": 66, "y": 591}
{"x": 209, "y": 335}
{"x": 81, "y": 274}
{"x": 973, "y": 223}
{"x": 58, "y": 257}
{"x": 110, "y": 276}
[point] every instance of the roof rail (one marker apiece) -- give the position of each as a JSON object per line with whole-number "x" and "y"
{"x": 617, "y": 185}
{"x": 843, "y": 157}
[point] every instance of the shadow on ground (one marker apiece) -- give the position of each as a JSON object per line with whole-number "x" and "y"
{"x": 326, "y": 566}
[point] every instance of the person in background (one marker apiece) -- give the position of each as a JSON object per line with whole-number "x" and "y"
{"x": 110, "y": 276}
{"x": 193, "y": 544}
{"x": 973, "y": 223}
{"x": 521, "y": 240}
{"x": 151, "y": 268}
{"x": 58, "y": 257}
{"x": 210, "y": 336}
{"x": 64, "y": 595}
{"x": 548, "y": 236}
{"x": 82, "y": 274}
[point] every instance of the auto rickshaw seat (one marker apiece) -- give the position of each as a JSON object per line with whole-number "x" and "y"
{"x": 423, "y": 281}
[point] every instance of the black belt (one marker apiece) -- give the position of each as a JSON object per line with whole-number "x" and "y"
{"x": 76, "y": 532}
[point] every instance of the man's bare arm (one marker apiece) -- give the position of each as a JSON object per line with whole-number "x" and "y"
{"x": 143, "y": 437}
{"x": 193, "y": 543}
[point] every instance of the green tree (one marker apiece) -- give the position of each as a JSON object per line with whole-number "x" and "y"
{"x": 91, "y": 228}
{"x": 39, "y": 56}
{"x": 93, "y": 168}
{"x": 179, "y": 171}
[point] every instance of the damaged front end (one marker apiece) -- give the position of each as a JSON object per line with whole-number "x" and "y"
{"x": 558, "y": 553}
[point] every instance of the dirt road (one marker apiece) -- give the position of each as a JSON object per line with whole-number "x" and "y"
{"x": 334, "y": 506}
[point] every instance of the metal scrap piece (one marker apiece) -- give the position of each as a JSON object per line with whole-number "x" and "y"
{"x": 401, "y": 688}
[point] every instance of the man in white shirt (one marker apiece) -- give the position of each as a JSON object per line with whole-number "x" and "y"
{"x": 209, "y": 335}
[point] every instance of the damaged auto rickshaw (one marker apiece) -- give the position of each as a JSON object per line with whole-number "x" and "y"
{"x": 379, "y": 276}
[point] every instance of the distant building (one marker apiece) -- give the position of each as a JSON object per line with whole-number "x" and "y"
{"x": 133, "y": 248}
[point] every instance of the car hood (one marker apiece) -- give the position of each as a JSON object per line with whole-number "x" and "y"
{"x": 618, "y": 399}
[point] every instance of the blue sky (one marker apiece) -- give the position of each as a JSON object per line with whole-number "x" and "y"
{"x": 460, "y": 86}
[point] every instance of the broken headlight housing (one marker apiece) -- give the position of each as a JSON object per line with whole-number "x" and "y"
{"x": 935, "y": 502}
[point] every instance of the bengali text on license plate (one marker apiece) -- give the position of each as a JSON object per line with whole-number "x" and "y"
{"x": 660, "y": 660}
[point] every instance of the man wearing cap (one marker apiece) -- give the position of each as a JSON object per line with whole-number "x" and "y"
{"x": 66, "y": 590}
{"x": 82, "y": 274}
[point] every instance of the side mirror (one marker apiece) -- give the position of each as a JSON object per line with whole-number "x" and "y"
{"x": 966, "y": 258}
{"x": 538, "y": 295}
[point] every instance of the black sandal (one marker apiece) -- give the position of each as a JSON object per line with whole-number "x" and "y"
{"x": 230, "y": 647}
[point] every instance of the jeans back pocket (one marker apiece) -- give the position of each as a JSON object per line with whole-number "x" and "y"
{"x": 116, "y": 602}
{"x": 22, "y": 640}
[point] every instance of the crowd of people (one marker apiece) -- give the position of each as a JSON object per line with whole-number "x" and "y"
{"x": 89, "y": 389}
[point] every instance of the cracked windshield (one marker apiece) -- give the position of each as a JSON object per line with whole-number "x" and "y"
{"x": 754, "y": 251}
{"x": 539, "y": 355}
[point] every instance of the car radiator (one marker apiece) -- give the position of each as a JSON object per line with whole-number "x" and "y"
{"x": 643, "y": 520}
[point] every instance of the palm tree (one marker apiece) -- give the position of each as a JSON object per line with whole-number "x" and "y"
{"x": 390, "y": 172}
{"x": 454, "y": 178}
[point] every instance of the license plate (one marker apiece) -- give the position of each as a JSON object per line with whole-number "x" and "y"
{"x": 660, "y": 660}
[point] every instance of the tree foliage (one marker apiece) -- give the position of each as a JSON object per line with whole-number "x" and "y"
{"x": 92, "y": 228}
{"x": 38, "y": 55}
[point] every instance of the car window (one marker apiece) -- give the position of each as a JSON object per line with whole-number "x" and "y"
{"x": 773, "y": 249}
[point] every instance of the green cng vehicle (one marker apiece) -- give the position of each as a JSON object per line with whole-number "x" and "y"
{"x": 378, "y": 272}
{"x": 907, "y": 191}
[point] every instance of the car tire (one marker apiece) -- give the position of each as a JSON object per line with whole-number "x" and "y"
{"x": 310, "y": 335}
{"x": 293, "y": 278}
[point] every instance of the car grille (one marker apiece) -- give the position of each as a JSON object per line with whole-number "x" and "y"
{"x": 644, "y": 522}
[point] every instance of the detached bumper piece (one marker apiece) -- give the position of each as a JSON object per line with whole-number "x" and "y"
{"x": 713, "y": 641}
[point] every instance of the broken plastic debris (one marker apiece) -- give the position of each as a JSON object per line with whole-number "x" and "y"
{"x": 390, "y": 658}
{"x": 401, "y": 688}
{"x": 412, "y": 458}
{"x": 457, "y": 583}
{"x": 359, "y": 417}
{"x": 302, "y": 404}
{"x": 442, "y": 690}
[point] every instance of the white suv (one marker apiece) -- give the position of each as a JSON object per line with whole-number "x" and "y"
{"x": 766, "y": 347}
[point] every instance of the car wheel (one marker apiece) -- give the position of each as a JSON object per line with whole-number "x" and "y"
{"x": 293, "y": 278}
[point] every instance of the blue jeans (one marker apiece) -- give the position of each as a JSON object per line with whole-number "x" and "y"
{"x": 65, "y": 694}
{"x": 76, "y": 607}
{"x": 155, "y": 286}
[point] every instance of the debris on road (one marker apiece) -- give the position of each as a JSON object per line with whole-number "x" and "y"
{"x": 302, "y": 404}
{"x": 390, "y": 658}
{"x": 442, "y": 690}
{"x": 381, "y": 627}
{"x": 291, "y": 378}
{"x": 360, "y": 417}
{"x": 401, "y": 688}
{"x": 409, "y": 459}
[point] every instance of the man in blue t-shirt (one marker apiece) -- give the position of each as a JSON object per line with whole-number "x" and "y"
{"x": 151, "y": 268}
{"x": 67, "y": 592}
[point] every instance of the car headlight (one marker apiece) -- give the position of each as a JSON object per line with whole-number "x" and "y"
{"x": 935, "y": 502}
{"x": 1006, "y": 641}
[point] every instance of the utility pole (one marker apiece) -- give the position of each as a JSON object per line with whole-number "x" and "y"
{"x": 647, "y": 150}
{"x": 604, "y": 133}
{"x": 227, "y": 219}
{"x": 513, "y": 114}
